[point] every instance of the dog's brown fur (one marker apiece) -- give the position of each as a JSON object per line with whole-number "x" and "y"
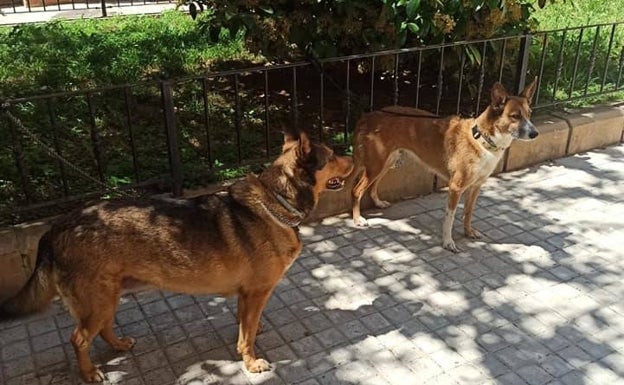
{"x": 236, "y": 243}
{"x": 445, "y": 145}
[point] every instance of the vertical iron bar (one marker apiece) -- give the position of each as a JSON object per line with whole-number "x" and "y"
{"x": 95, "y": 138}
{"x": 604, "y": 74}
{"x": 135, "y": 162}
{"x": 372, "y": 84}
{"x": 576, "y": 62}
{"x": 267, "y": 141}
{"x": 502, "y": 61}
{"x": 592, "y": 60}
{"x": 103, "y": 5}
{"x": 541, "y": 71}
{"x": 172, "y": 138}
{"x": 621, "y": 65}
{"x": 237, "y": 118}
{"x": 481, "y": 78}
{"x": 322, "y": 105}
{"x": 18, "y": 153}
{"x": 13, "y": 5}
{"x": 73, "y": 3}
{"x": 207, "y": 121}
{"x": 348, "y": 112}
{"x": 57, "y": 147}
{"x": 523, "y": 63}
{"x": 559, "y": 64}
{"x": 461, "y": 77}
{"x": 295, "y": 102}
{"x": 418, "y": 81}
{"x": 440, "y": 81}
{"x": 396, "y": 80}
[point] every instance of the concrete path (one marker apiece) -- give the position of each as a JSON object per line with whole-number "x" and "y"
{"x": 540, "y": 301}
{"x": 79, "y": 10}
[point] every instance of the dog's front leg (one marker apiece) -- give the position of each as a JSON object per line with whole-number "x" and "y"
{"x": 447, "y": 227}
{"x": 471, "y": 199}
{"x": 252, "y": 305}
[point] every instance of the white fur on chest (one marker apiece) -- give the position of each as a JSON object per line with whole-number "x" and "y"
{"x": 487, "y": 163}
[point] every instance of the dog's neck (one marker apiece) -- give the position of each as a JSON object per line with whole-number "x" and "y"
{"x": 292, "y": 217}
{"x": 494, "y": 142}
{"x": 281, "y": 200}
{"x": 484, "y": 139}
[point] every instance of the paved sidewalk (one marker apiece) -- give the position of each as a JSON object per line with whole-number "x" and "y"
{"x": 541, "y": 301}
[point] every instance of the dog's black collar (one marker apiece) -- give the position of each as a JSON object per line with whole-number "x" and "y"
{"x": 290, "y": 221}
{"x": 291, "y": 209}
{"x": 476, "y": 134}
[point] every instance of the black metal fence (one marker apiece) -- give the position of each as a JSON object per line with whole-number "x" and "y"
{"x": 169, "y": 134}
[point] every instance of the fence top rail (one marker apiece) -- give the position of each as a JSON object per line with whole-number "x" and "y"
{"x": 275, "y": 67}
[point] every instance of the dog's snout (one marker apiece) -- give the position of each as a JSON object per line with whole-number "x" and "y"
{"x": 533, "y": 134}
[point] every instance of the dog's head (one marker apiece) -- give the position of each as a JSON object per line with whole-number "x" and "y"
{"x": 309, "y": 168}
{"x": 512, "y": 114}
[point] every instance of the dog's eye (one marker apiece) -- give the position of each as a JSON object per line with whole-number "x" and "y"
{"x": 516, "y": 116}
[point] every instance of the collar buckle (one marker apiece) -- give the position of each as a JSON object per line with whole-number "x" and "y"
{"x": 476, "y": 134}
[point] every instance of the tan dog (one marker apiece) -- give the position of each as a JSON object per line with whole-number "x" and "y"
{"x": 463, "y": 151}
{"x": 240, "y": 242}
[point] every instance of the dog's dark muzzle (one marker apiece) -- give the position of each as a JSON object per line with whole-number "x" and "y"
{"x": 527, "y": 131}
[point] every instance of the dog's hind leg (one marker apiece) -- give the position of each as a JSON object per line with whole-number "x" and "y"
{"x": 107, "y": 313}
{"x": 471, "y": 199}
{"x": 357, "y": 193}
{"x": 94, "y": 311}
{"x": 390, "y": 162}
{"x": 253, "y": 304}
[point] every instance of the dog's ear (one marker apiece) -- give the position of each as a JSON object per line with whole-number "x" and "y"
{"x": 290, "y": 139}
{"x": 499, "y": 96}
{"x": 304, "y": 144}
{"x": 529, "y": 90}
{"x": 299, "y": 139}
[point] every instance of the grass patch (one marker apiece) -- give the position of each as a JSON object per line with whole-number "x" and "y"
{"x": 69, "y": 55}
{"x": 575, "y": 13}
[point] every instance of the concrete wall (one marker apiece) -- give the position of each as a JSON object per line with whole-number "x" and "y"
{"x": 561, "y": 134}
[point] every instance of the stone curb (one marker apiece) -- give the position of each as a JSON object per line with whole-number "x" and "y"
{"x": 561, "y": 134}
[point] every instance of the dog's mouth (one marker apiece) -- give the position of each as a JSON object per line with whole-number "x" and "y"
{"x": 335, "y": 184}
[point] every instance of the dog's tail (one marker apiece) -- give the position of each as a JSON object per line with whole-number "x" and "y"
{"x": 38, "y": 291}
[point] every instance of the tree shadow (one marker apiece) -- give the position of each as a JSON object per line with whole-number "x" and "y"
{"x": 538, "y": 300}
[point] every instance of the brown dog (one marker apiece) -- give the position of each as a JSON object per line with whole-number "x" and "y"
{"x": 463, "y": 151}
{"x": 240, "y": 242}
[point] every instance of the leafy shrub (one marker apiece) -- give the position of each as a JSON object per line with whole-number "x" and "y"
{"x": 283, "y": 28}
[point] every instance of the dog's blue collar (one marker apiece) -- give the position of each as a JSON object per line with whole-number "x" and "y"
{"x": 476, "y": 134}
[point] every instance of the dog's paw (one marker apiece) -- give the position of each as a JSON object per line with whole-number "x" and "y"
{"x": 94, "y": 375}
{"x": 450, "y": 246}
{"x": 257, "y": 366}
{"x": 360, "y": 222}
{"x": 125, "y": 344}
{"x": 474, "y": 234}
{"x": 382, "y": 204}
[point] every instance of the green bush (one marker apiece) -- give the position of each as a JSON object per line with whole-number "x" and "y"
{"x": 283, "y": 28}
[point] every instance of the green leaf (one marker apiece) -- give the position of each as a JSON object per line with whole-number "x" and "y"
{"x": 412, "y": 7}
{"x": 474, "y": 55}
{"x": 413, "y": 27}
{"x": 266, "y": 9}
